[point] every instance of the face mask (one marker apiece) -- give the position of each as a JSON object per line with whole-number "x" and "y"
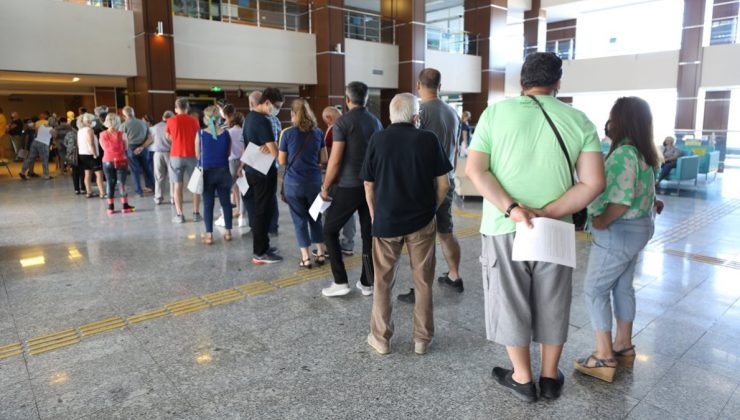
{"x": 93, "y": 124}
{"x": 275, "y": 111}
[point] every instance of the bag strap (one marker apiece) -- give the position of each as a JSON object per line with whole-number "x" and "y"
{"x": 560, "y": 138}
{"x": 300, "y": 152}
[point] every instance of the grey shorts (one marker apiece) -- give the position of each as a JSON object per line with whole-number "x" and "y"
{"x": 525, "y": 301}
{"x": 180, "y": 167}
{"x": 444, "y": 212}
{"x": 233, "y": 167}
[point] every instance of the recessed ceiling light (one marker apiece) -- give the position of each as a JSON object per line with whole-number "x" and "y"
{"x": 75, "y": 79}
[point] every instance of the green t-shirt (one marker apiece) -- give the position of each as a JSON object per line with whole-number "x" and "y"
{"x": 630, "y": 181}
{"x": 526, "y": 158}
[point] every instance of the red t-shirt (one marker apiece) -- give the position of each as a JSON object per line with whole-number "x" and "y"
{"x": 329, "y": 138}
{"x": 182, "y": 129}
{"x": 113, "y": 146}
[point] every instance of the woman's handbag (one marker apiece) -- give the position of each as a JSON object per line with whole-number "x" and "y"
{"x": 120, "y": 163}
{"x": 282, "y": 183}
{"x": 195, "y": 185}
{"x": 580, "y": 217}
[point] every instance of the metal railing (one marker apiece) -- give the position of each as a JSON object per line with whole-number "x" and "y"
{"x": 368, "y": 27}
{"x": 452, "y": 42}
{"x": 277, "y": 14}
{"x": 564, "y": 48}
{"x": 111, "y": 4}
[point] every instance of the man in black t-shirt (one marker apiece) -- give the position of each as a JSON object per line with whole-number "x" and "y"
{"x": 351, "y": 132}
{"x": 258, "y": 130}
{"x": 405, "y": 179}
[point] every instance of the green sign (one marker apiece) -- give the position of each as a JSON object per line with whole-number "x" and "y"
{"x": 216, "y": 89}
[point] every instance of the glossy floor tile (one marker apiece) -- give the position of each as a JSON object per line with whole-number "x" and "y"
{"x": 131, "y": 317}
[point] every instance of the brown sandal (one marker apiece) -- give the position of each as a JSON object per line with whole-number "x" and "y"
{"x": 208, "y": 240}
{"x": 626, "y": 360}
{"x": 227, "y": 236}
{"x": 600, "y": 370}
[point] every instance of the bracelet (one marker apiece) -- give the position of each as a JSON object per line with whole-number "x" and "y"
{"x": 514, "y": 205}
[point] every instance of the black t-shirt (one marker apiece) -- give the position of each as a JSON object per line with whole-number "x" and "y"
{"x": 17, "y": 130}
{"x": 257, "y": 130}
{"x": 354, "y": 129}
{"x": 404, "y": 163}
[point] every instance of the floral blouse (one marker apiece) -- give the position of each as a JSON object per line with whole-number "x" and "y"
{"x": 630, "y": 181}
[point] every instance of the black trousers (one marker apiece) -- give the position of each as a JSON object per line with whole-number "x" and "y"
{"x": 345, "y": 202}
{"x": 77, "y": 178}
{"x": 264, "y": 188}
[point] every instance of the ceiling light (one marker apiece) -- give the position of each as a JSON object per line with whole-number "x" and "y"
{"x": 75, "y": 79}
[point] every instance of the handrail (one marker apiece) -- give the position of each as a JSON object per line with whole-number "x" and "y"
{"x": 368, "y": 26}
{"x": 277, "y": 14}
{"x": 110, "y": 4}
{"x": 454, "y": 42}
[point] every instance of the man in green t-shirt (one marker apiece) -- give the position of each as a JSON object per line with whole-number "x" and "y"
{"x": 517, "y": 164}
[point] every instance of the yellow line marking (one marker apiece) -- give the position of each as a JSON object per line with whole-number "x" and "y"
{"x": 704, "y": 258}
{"x": 223, "y": 296}
{"x": 102, "y": 326}
{"x": 467, "y": 214}
{"x": 53, "y": 346}
{"x": 51, "y": 337}
{"x": 135, "y": 319}
{"x": 10, "y": 350}
{"x": 256, "y": 288}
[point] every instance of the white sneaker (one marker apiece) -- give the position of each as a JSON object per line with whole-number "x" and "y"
{"x": 335, "y": 290}
{"x": 366, "y": 290}
{"x": 420, "y": 347}
{"x": 220, "y": 222}
{"x": 242, "y": 222}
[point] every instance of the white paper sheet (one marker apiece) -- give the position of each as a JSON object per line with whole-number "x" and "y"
{"x": 254, "y": 157}
{"x": 550, "y": 241}
{"x": 319, "y": 206}
{"x": 242, "y": 183}
{"x": 43, "y": 135}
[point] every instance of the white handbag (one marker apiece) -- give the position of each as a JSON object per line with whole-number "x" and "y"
{"x": 195, "y": 185}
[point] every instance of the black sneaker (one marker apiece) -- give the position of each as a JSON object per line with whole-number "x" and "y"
{"x": 409, "y": 297}
{"x": 266, "y": 259}
{"x": 272, "y": 250}
{"x": 525, "y": 392}
{"x": 33, "y": 175}
{"x": 551, "y": 388}
{"x": 23, "y": 176}
{"x": 455, "y": 284}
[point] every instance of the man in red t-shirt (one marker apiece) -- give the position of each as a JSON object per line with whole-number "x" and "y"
{"x": 183, "y": 129}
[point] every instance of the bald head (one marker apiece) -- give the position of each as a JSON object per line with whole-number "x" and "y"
{"x": 330, "y": 115}
{"x": 254, "y": 99}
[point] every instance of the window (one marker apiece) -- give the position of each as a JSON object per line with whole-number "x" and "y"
{"x": 723, "y": 31}
{"x": 564, "y": 48}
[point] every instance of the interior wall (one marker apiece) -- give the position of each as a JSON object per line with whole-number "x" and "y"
{"x": 31, "y": 105}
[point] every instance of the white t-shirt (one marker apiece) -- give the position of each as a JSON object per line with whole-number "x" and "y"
{"x": 82, "y": 146}
{"x": 43, "y": 135}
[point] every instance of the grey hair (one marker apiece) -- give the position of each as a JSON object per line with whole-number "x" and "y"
{"x": 128, "y": 112}
{"x": 112, "y": 121}
{"x": 254, "y": 98}
{"x": 182, "y": 104}
{"x": 87, "y": 119}
{"x": 100, "y": 110}
{"x": 403, "y": 108}
{"x": 167, "y": 115}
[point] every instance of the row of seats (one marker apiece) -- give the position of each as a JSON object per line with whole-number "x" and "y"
{"x": 695, "y": 160}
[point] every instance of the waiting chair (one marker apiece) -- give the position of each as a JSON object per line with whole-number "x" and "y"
{"x": 4, "y": 162}
{"x": 687, "y": 169}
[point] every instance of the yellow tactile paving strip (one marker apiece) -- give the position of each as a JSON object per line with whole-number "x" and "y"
{"x": 695, "y": 223}
{"x": 38, "y": 345}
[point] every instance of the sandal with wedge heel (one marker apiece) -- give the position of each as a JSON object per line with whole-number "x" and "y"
{"x": 600, "y": 370}
{"x": 626, "y": 360}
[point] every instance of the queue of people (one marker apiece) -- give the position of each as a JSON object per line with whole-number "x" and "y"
{"x": 399, "y": 182}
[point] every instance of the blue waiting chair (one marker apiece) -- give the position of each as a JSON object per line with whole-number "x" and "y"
{"x": 687, "y": 169}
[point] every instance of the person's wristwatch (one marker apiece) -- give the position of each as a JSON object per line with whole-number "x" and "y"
{"x": 508, "y": 211}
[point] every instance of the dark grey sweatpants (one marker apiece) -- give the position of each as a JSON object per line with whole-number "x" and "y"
{"x": 525, "y": 301}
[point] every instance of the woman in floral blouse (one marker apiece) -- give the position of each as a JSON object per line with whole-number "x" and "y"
{"x": 621, "y": 224}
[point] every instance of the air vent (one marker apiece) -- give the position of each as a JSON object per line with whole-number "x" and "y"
{"x": 378, "y": 72}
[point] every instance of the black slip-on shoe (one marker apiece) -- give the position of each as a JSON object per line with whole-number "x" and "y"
{"x": 457, "y": 285}
{"x": 525, "y": 392}
{"x": 551, "y": 388}
{"x": 409, "y": 297}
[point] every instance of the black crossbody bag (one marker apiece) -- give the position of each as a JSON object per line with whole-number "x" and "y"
{"x": 580, "y": 217}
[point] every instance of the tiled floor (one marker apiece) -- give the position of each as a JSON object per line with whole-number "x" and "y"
{"x": 290, "y": 353}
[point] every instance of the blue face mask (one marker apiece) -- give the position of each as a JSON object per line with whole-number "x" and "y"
{"x": 275, "y": 111}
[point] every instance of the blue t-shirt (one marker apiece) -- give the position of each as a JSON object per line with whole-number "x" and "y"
{"x": 257, "y": 130}
{"x": 305, "y": 168}
{"x": 214, "y": 153}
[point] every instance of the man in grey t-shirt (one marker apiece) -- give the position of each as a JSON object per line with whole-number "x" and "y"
{"x": 439, "y": 118}
{"x": 138, "y": 139}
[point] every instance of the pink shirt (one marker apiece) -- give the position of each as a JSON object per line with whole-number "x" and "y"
{"x": 113, "y": 146}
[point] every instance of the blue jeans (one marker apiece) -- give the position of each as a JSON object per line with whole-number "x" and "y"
{"x": 216, "y": 180}
{"x": 611, "y": 269}
{"x": 300, "y": 197}
{"x": 114, "y": 177}
{"x": 138, "y": 165}
{"x": 248, "y": 200}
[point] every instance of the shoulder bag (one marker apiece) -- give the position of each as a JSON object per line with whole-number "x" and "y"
{"x": 580, "y": 217}
{"x": 195, "y": 185}
{"x": 300, "y": 152}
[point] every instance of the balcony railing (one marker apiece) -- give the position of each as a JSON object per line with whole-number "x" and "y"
{"x": 111, "y": 4}
{"x": 452, "y": 42}
{"x": 278, "y": 14}
{"x": 564, "y": 48}
{"x": 368, "y": 27}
